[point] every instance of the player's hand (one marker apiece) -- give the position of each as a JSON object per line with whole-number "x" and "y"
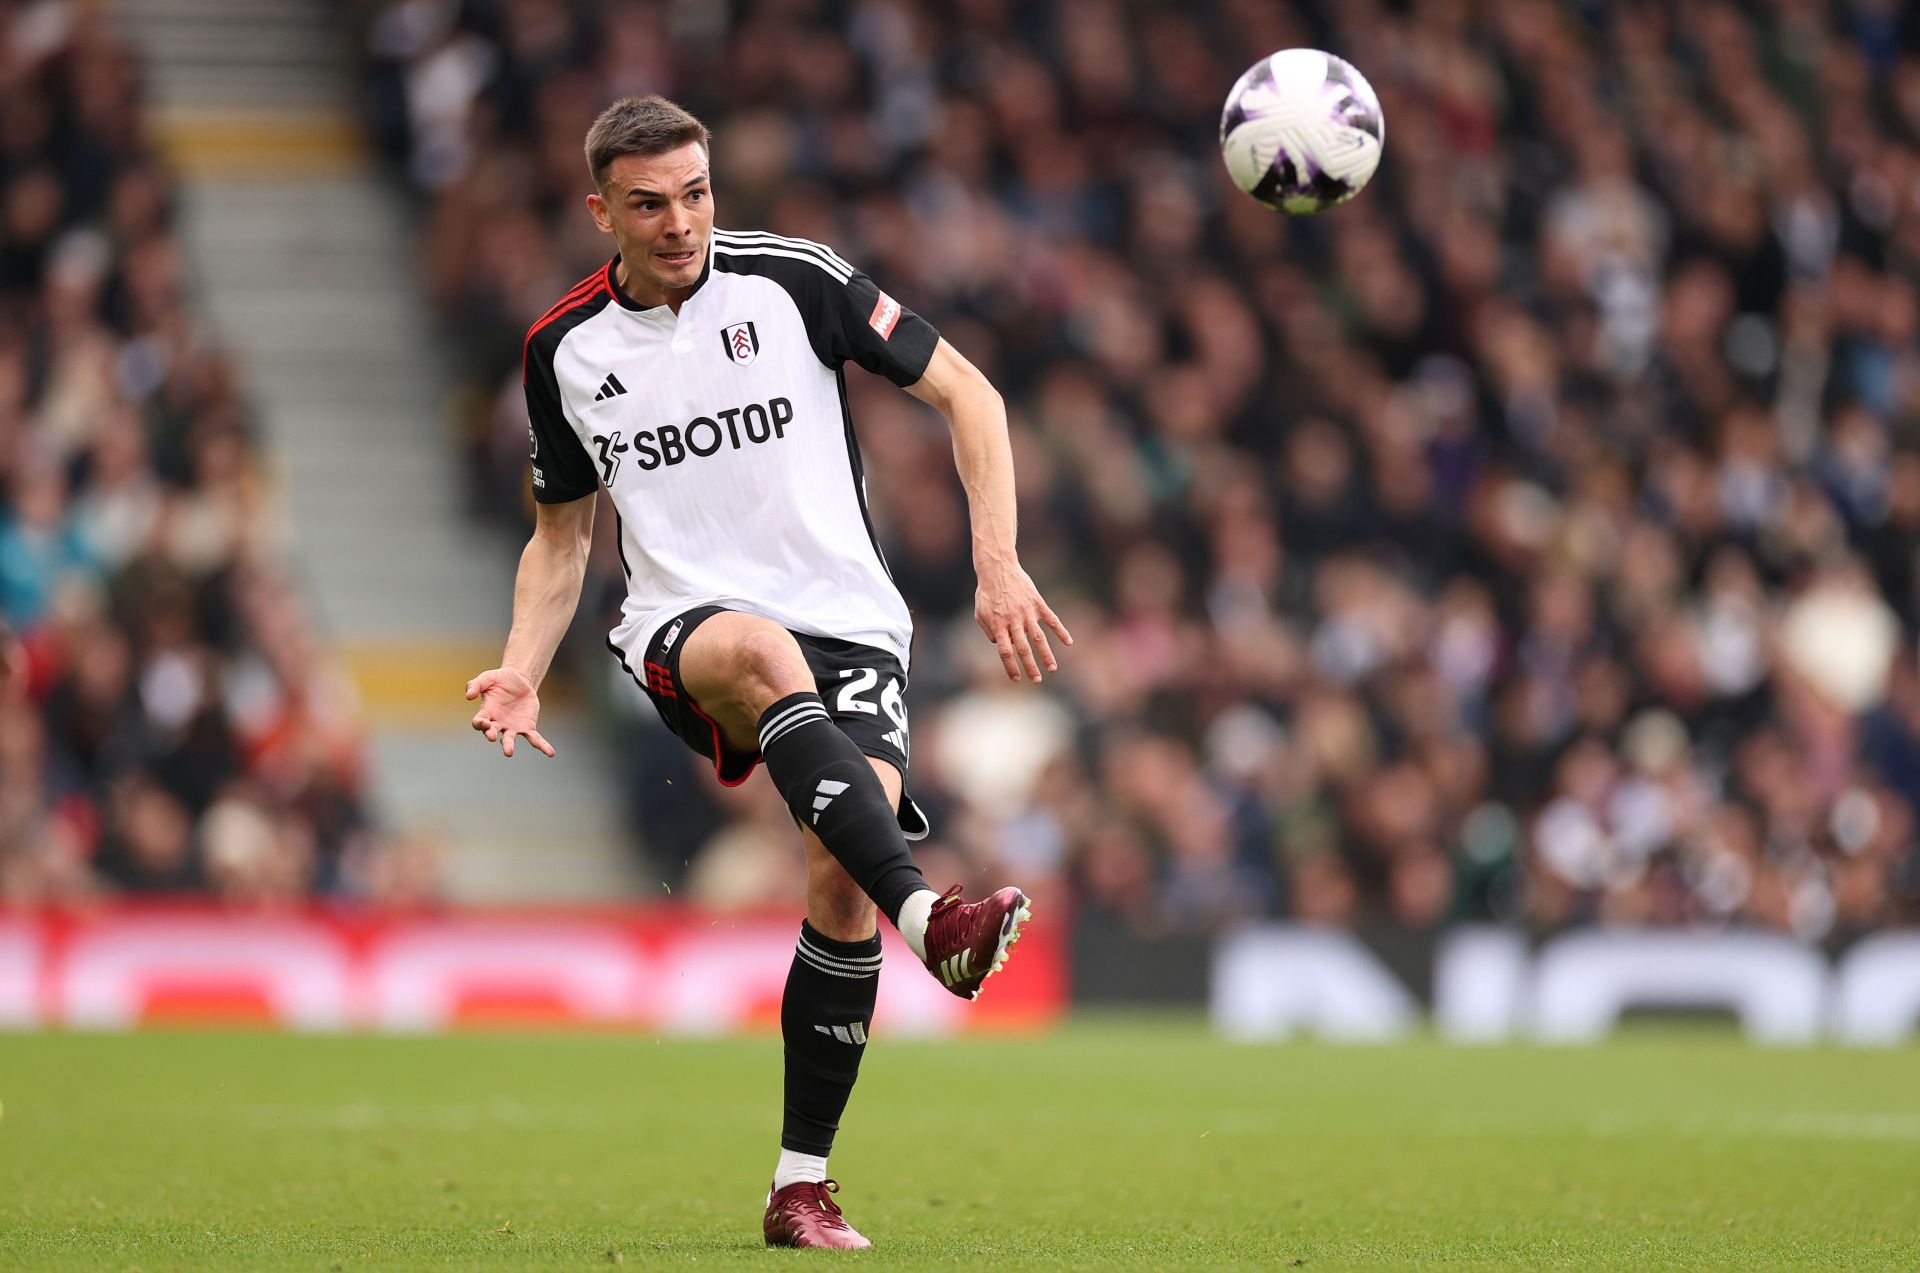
{"x": 508, "y": 708}
{"x": 1015, "y": 617}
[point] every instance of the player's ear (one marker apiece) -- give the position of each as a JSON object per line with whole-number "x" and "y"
{"x": 602, "y": 216}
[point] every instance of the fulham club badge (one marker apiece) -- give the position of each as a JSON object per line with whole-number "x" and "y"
{"x": 742, "y": 342}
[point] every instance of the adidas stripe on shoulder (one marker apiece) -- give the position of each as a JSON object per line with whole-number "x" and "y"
{"x": 768, "y": 238}
{"x": 761, "y": 243}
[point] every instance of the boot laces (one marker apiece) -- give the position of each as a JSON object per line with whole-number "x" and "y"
{"x": 948, "y": 902}
{"x": 821, "y": 1195}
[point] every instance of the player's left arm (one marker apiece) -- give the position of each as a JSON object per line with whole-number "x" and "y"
{"x": 1009, "y": 609}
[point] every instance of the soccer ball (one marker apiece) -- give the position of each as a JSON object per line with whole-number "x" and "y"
{"x": 1302, "y": 131}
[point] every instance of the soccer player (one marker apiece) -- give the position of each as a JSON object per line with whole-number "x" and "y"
{"x": 697, "y": 377}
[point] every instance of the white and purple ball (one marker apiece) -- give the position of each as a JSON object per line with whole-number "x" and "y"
{"x": 1302, "y": 131}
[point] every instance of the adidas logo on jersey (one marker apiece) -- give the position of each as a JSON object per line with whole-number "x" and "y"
{"x": 609, "y": 388}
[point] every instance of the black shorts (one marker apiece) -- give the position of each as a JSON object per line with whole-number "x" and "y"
{"x": 863, "y": 688}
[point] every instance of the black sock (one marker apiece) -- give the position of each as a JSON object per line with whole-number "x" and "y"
{"x": 824, "y": 1016}
{"x": 834, "y": 792}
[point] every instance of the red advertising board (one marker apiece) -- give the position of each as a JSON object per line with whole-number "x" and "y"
{"x": 668, "y": 969}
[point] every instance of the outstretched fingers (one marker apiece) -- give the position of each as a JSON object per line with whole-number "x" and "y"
{"x": 1037, "y": 638}
{"x": 1023, "y": 646}
{"x": 505, "y": 736}
{"x": 1022, "y": 640}
{"x": 1053, "y": 621}
{"x": 1015, "y": 643}
{"x": 501, "y": 719}
{"x": 1004, "y": 644}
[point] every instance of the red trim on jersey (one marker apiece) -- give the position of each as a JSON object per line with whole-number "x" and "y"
{"x": 579, "y": 289}
{"x": 584, "y": 284}
{"x": 583, "y": 291}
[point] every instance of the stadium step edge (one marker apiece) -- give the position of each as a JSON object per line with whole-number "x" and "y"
{"x": 226, "y": 141}
{"x": 417, "y": 681}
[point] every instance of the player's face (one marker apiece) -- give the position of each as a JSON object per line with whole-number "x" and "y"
{"x": 659, "y": 209}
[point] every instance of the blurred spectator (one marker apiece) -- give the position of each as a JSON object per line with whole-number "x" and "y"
{"x": 1536, "y": 537}
{"x": 189, "y": 732}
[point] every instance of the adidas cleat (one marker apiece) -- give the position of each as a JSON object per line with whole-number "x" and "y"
{"x": 967, "y": 942}
{"x": 805, "y": 1214}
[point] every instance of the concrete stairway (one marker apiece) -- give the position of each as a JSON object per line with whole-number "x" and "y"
{"x": 304, "y": 261}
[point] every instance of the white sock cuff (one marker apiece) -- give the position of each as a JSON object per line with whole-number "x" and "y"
{"x": 795, "y": 1167}
{"x": 912, "y": 920}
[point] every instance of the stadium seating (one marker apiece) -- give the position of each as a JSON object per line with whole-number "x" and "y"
{"x": 183, "y": 738}
{"x": 1531, "y": 538}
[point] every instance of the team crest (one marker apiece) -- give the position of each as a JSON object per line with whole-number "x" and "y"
{"x": 742, "y": 342}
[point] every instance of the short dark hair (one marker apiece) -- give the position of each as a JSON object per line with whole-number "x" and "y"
{"x": 649, "y": 125}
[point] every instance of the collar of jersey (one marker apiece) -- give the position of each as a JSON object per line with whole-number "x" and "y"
{"x": 628, "y": 303}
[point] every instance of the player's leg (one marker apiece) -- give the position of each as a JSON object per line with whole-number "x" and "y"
{"x": 828, "y": 1006}
{"x": 825, "y": 1015}
{"x": 749, "y": 675}
{"x": 964, "y": 942}
{"x": 749, "y": 681}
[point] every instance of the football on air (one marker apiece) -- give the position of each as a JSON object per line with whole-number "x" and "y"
{"x": 1302, "y": 131}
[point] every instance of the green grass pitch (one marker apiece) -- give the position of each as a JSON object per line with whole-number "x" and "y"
{"x": 1113, "y": 1144}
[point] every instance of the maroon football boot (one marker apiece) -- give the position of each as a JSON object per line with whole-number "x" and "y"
{"x": 805, "y": 1214}
{"x": 967, "y": 942}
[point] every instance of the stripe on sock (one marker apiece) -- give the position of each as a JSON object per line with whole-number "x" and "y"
{"x": 790, "y": 720}
{"x": 786, "y": 712}
{"x": 851, "y": 963}
{"x": 815, "y": 962}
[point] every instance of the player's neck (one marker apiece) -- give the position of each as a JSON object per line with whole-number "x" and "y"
{"x": 652, "y": 297}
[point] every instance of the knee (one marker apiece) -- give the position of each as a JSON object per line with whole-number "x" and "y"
{"x": 770, "y": 666}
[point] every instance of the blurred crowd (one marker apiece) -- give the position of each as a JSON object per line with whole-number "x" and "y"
{"x": 1533, "y": 537}
{"x": 168, "y": 719}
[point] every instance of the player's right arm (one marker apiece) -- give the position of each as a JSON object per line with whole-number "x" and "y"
{"x": 545, "y": 594}
{"x": 554, "y": 564}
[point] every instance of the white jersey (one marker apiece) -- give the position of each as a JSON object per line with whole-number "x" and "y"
{"x": 723, "y": 436}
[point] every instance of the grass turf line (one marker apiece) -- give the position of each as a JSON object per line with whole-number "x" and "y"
{"x": 1120, "y": 1145}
